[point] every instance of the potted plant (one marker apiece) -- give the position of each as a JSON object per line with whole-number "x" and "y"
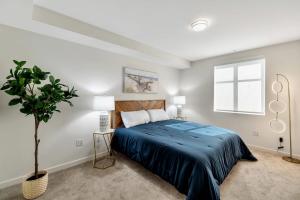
{"x": 38, "y": 96}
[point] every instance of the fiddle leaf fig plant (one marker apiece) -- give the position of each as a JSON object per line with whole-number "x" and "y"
{"x": 38, "y": 93}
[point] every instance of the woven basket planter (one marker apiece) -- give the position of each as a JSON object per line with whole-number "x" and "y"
{"x": 35, "y": 188}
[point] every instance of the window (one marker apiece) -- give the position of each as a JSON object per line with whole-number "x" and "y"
{"x": 240, "y": 87}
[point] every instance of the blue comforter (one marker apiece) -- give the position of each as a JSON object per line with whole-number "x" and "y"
{"x": 194, "y": 158}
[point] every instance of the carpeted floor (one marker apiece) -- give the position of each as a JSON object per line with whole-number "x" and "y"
{"x": 270, "y": 178}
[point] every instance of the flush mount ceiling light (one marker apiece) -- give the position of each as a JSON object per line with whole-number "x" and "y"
{"x": 199, "y": 25}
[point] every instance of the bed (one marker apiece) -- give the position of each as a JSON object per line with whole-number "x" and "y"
{"x": 195, "y": 158}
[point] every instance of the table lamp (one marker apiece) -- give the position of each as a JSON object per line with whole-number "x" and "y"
{"x": 104, "y": 104}
{"x": 179, "y": 101}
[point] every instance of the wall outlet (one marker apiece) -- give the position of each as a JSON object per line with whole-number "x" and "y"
{"x": 79, "y": 142}
{"x": 255, "y": 133}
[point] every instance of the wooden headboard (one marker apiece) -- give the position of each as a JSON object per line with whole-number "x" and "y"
{"x": 135, "y": 105}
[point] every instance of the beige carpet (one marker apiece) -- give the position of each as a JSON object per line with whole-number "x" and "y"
{"x": 270, "y": 178}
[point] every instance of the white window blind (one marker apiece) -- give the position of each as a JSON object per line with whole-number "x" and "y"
{"x": 240, "y": 87}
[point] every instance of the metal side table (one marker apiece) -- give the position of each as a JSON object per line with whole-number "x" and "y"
{"x": 108, "y": 160}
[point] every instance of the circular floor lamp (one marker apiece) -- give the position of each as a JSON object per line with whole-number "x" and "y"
{"x": 276, "y": 106}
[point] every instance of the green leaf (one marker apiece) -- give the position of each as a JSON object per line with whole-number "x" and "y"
{"x": 25, "y": 111}
{"x": 16, "y": 62}
{"x": 5, "y": 86}
{"x": 21, "y": 81}
{"x": 10, "y": 92}
{"x": 15, "y": 101}
{"x": 10, "y": 76}
{"x": 45, "y": 118}
{"x": 51, "y": 79}
{"x": 19, "y": 63}
{"x": 35, "y": 68}
{"x": 36, "y": 81}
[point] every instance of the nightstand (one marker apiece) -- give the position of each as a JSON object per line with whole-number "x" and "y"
{"x": 181, "y": 118}
{"x": 108, "y": 160}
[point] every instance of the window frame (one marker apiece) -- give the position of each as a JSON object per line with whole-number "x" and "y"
{"x": 235, "y": 82}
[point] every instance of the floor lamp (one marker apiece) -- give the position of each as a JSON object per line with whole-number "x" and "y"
{"x": 276, "y": 106}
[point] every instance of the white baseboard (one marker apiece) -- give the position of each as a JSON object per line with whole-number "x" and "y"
{"x": 273, "y": 151}
{"x": 56, "y": 168}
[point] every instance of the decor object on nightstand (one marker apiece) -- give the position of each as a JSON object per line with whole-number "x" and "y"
{"x": 106, "y": 161}
{"x": 179, "y": 101}
{"x": 104, "y": 104}
{"x": 39, "y": 100}
{"x": 276, "y": 106}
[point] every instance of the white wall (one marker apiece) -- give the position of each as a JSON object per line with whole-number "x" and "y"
{"x": 91, "y": 71}
{"x": 197, "y": 85}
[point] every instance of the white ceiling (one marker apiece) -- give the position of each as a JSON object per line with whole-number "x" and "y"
{"x": 235, "y": 25}
{"x": 20, "y": 14}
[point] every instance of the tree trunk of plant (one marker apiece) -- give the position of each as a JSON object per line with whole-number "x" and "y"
{"x": 37, "y": 141}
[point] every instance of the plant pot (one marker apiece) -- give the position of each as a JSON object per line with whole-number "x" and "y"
{"x": 33, "y": 188}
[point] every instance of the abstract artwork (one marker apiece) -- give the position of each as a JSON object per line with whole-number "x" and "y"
{"x": 139, "y": 81}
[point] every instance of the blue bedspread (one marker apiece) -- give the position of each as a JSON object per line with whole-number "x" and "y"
{"x": 194, "y": 158}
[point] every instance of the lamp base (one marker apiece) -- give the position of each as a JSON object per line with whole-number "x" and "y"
{"x": 292, "y": 160}
{"x": 179, "y": 111}
{"x": 104, "y": 121}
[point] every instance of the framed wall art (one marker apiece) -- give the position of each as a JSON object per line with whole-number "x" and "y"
{"x": 139, "y": 81}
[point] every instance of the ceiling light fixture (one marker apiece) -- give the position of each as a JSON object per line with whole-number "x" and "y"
{"x": 199, "y": 25}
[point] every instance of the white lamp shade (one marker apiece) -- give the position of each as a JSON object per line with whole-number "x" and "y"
{"x": 179, "y": 100}
{"x": 277, "y": 125}
{"x": 277, "y": 106}
{"x": 277, "y": 87}
{"x": 104, "y": 103}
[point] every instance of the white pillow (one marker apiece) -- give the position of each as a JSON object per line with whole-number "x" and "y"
{"x": 134, "y": 118}
{"x": 158, "y": 115}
